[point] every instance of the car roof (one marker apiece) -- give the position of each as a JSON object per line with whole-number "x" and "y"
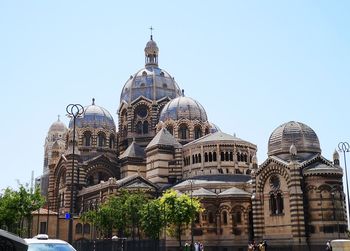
{"x": 34, "y": 240}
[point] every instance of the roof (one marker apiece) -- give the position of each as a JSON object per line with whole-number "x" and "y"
{"x": 234, "y": 191}
{"x": 163, "y": 137}
{"x": 183, "y": 108}
{"x": 214, "y": 179}
{"x": 44, "y": 211}
{"x": 133, "y": 151}
{"x": 202, "y": 192}
{"x": 220, "y": 136}
{"x": 293, "y": 133}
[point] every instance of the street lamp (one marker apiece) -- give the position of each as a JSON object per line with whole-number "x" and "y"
{"x": 192, "y": 241}
{"x": 344, "y": 147}
{"x": 73, "y": 111}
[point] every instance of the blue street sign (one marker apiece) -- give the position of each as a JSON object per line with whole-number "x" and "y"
{"x": 67, "y": 216}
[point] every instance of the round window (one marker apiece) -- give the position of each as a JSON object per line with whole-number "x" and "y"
{"x": 142, "y": 111}
{"x": 275, "y": 182}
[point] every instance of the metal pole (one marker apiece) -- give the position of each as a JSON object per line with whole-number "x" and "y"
{"x": 192, "y": 240}
{"x": 345, "y": 147}
{"x": 73, "y": 111}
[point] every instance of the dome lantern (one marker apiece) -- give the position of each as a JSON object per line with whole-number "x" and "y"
{"x": 151, "y": 53}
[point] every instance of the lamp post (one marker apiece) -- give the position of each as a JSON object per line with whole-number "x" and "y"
{"x": 192, "y": 240}
{"x": 344, "y": 147}
{"x": 73, "y": 111}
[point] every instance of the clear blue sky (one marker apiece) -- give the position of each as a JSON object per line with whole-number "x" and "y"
{"x": 253, "y": 65}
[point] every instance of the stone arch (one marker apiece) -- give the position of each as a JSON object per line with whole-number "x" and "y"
{"x": 267, "y": 172}
{"x": 97, "y": 173}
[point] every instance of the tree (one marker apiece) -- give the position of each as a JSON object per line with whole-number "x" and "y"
{"x": 120, "y": 212}
{"x": 179, "y": 211}
{"x": 16, "y": 208}
{"x": 133, "y": 206}
{"x": 152, "y": 219}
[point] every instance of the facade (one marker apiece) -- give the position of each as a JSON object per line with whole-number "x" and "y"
{"x": 164, "y": 139}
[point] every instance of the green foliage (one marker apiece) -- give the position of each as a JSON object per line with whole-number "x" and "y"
{"x": 130, "y": 212}
{"x": 179, "y": 210}
{"x": 17, "y": 206}
{"x": 152, "y": 218}
{"x": 120, "y": 212}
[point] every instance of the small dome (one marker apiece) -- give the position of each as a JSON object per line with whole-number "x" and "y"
{"x": 183, "y": 108}
{"x": 294, "y": 133}
{"x": 151, "y": 48}
{"x": 94, "y": 116}
{"x": 58, "y": 126}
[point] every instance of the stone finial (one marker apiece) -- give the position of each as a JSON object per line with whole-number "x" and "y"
{"x": 336, "y": 158}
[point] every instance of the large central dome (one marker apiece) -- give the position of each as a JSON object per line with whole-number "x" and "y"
{"x": 302, "y": 136}
{"x": 150, "y": 82}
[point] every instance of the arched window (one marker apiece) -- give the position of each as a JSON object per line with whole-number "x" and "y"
{"x": 210, "y": 157}
{"x": 101, "y": 139}
{"x": 214, "y": 156}
{"x": 87, "y": 139}
{"x": 222, "y": 156}
{"x": 279, "y": 202}
{"x": 197, "y": 132}
{"x": 86, "y": 228}
{"x": 78, "y": 228}
{"x": 138, "y": 128}
{"x": 224, "y": 217}
{"x": 192, "y": 159}
{"x": 231, "y": 156}
{"x": 205, "y": 157}
{"x": 145, "y": 127}
{"x": 238, "y": 157}
{"x": 237, "y": 217}
{"x": 199, "y": 158}
{"x": 196, "y": 157}
{"x": 111, "y": 141}
{"x": 226, "y": 156}
{"x": 276, "y": 204}
{"x": 183, "y": 132}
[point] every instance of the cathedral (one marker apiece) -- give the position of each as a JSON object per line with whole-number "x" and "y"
{"x": 164, "y": 139}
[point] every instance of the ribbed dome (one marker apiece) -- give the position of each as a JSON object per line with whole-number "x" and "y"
{"x": 150, "y": 82}
{"x": 302, "y": 136}
{"x": 94, "y": 116}
{"x": 183, "y": 108}
{"x": 58, "y": 126}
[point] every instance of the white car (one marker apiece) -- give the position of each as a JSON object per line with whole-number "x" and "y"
{"x": 42, "y": 242}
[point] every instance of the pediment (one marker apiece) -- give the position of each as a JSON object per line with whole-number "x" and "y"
{"x": 136, "y": 181}
{"x": 141, "y": 98}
